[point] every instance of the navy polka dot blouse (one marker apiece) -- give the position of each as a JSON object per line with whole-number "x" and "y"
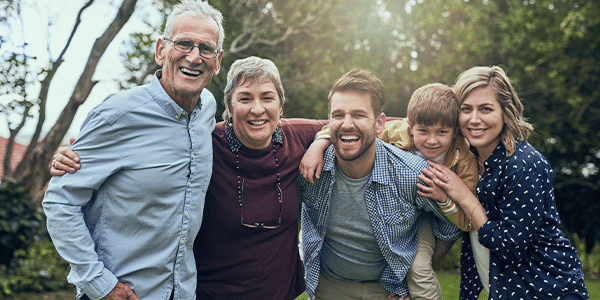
{"x": 530, "y": 257}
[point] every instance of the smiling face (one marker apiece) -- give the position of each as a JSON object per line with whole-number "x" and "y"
{"x": 432, "y": 140}
{"x": 481, "y": 120}
{"x": 352, "y": 125}
{"x": 255, "y": 110}
{"x": 184, "y": 75}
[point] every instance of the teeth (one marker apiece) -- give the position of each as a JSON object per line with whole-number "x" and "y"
{"x": 477, "y": 130}
{"x": 191, "y": 72}
{"x": 349, "y": 138}
{"x": 257, "y": 123}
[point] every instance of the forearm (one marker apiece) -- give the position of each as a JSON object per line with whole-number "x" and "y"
{"x": 455, "y": 214}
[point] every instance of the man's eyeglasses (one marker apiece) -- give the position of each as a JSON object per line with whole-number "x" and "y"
{"x": 186, "y": 46}
{"x": 258, "y": 224}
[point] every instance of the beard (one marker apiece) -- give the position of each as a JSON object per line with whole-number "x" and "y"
{"x": 366, "y": 142}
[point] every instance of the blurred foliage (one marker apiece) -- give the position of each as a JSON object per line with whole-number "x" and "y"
{"x": 549, "y": 48}
{"x": 21, "y": 221}
{"x": 28, "y": 260}
{"x": 36, "y": 269}
{"x": 15, "y": 79}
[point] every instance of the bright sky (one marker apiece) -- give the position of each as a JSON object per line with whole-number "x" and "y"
{"x": 40, "y": 37}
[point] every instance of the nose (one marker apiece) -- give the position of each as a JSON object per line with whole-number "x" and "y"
{"x": 348, "y": 122}
{"x": 194, "y": 55}
{"x": 257, "y": 107}
{"x": 474, "y": 118}
{"x": 431, "y": 139}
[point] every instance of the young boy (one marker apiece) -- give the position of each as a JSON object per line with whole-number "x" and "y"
{"x": 430, "y": 131}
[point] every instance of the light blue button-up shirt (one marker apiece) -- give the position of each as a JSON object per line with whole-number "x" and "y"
{"x": 394, "y": 208}
{"x": 132, "y": 212}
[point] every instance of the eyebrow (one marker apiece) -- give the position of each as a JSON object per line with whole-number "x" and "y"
{"x": 262, "y": 94}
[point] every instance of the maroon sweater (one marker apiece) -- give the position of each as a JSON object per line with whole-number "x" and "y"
{"x": 234, "y": 261}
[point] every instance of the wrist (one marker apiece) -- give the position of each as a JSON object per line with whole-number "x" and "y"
{"x": 445, "y": 203}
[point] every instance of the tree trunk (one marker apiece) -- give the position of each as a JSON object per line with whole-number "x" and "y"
{"x": 33, "y": 169}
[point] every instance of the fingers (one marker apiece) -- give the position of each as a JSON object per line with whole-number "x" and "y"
{"x": 55, "y": 172}
{"x": 68, "y": 153}
{"x": 319, "y": 170}
{"x": 64, "y": 160}
{"x": 306, "y": 173}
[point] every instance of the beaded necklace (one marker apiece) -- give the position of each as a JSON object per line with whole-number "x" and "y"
{"x": 241, "y": 189}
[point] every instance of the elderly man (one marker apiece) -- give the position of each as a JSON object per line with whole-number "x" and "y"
{"x": 361, "y": 216}
{"x": 127, "y": 221}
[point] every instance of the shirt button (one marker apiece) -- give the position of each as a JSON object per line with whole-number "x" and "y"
{"x": 193, "y": 156}
{"x": 175, "y": 272}
{"x": 184, "y": 113}
{"x": 401, "y": 218}
{"x": 187, "y": 214}
{"x": 177, "y": 117}
{"x": 189, "y": 184}
{"x": 182, "y": 242}
{"x": 190, "y": 127}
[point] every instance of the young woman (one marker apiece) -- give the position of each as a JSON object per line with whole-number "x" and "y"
{"x": 517, "y": 250}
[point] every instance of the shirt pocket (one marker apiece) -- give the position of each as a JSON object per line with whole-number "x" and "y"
{"x": 397, "y": 226}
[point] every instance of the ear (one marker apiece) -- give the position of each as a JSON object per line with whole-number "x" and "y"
{"x": 160, "y": 54}
{"x": 410, "y": 127}
{"x": 380, "y": 123}
{"x": 218, "y": 63}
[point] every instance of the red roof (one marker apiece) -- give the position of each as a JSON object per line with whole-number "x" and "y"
{"x": 17, "y": 154}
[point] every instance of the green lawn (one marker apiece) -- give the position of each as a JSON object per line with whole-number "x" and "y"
{"x": 450, "y": 282}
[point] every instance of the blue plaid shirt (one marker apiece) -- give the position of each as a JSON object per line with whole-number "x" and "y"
{"x": 394, "y": 208}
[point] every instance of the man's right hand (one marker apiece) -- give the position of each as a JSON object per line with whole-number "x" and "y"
{"x": 120, "y": 292}
{"x": 65, "y": 160}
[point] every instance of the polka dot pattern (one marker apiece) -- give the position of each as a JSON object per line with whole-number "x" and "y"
{"x": 530, "y": 257}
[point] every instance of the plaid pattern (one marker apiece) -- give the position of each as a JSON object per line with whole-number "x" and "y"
{"x": 393, "y": 205}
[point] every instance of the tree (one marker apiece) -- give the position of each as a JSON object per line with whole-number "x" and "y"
{"x": 33, "y": 168}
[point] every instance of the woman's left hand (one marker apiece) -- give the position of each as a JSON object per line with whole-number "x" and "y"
{"x": 430, "y": 189}
{"x": 448, "y": 181}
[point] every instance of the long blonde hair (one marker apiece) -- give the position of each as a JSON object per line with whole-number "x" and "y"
{"x": 516, "y": 128}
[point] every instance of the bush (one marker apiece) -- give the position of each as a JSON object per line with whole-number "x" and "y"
{"x": 35, "y": 270}
{"x": 28, "y": 260}
{"x": 21, "y": 221}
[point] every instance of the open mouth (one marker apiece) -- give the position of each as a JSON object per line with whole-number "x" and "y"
{"x": 476, "y": 131}
{"x": 349, "y": 138}
{"x": 257, "y": 123}
{"x": 190, "y": 72}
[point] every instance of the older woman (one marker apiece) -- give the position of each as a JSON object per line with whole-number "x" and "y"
{"x": 518, "y": 250}
{"x": 247, "y": 244}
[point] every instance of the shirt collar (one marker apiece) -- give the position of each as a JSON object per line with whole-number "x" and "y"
{"x": 165, "y": 101}
{"x": 235, "y": 144}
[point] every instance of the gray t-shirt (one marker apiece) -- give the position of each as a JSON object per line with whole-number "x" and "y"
{"x": 350, "y": 251}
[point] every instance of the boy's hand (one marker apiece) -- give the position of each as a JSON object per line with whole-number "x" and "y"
{"x": 312, "y": 161}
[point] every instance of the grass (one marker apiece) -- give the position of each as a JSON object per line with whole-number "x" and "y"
{"x": 450, "y": 283}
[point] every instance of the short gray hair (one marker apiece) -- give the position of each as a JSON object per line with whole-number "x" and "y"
{"x": 199, "y": 9}
{"x": 255, "y": 69}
